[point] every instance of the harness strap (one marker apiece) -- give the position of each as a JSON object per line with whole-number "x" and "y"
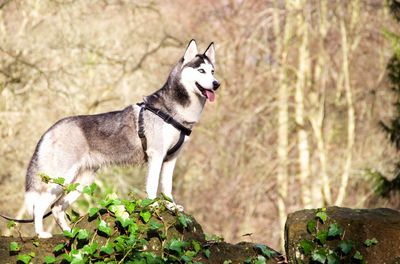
{"x": 177, "y": 145}
{"x": 141, "y": 134}
{"x": 166, "y": 118}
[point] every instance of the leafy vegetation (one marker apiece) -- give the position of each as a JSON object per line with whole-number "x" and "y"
{"x": 128, "y": 231}
{"x": 328, "y": 244}
{"x": 124, "y": 232}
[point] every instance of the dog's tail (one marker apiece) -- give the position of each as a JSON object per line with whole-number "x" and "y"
{"x": 30, "y": 198}
{"x": 22, "y": 220}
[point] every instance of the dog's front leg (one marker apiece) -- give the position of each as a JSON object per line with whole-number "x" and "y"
{"x": 167, "y": 172}
{"x": 155, "y": 162}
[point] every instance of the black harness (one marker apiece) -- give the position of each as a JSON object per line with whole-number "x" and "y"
{"x": 167, "y": 119}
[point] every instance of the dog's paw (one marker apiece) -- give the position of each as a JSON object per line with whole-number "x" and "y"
{"x": 154, "y": 205}
{"x": 174, "y": 207}
{"x": 45, "y": 235}
{"x": 66, "y": 227}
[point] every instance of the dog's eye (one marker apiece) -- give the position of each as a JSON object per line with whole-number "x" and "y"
{"x": 201, "y": 71}
{"x": 212, "y": 72}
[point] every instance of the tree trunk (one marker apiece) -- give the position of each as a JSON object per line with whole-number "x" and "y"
{"x": 303, "y": 74}
{"x": 283, "y": 119}
{"x": 350, "y": 116}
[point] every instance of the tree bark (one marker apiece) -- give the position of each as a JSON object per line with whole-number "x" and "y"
{"x": 350, "y": 116}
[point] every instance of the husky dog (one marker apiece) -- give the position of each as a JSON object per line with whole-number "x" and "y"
{"x": 75, "y": 147}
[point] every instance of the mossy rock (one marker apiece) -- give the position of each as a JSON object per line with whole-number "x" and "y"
{"x": 374, "y": 233}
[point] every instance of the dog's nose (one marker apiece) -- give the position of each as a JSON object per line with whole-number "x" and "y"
{"x": 216, "y": 84}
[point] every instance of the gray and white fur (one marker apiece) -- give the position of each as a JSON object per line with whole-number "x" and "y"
{"x": 75, "y": 147}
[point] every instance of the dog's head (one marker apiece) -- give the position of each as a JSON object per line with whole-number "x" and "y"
{"x": 197, "y": 72}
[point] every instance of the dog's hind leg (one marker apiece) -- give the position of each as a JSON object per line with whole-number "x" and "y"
{"x": 42, "y": 203}
{"x": 84, "y": 178}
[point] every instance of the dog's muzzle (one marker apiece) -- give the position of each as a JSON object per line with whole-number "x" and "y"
{"x": 216, "y": 85}
{"x": 208, "y": 93}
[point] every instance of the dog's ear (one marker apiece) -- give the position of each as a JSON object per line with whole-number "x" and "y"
{"x": 210, "y": 52}
{"x": 191, "y": 52}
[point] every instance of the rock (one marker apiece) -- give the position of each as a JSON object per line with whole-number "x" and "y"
{"x": 239, "y": 253}
{"x": 374, "y": 233}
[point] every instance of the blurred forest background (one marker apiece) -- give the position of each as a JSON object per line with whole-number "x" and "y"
{"x": 295, "y": 124}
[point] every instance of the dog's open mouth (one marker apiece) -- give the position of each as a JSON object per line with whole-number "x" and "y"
{"x": 209, "y": 94}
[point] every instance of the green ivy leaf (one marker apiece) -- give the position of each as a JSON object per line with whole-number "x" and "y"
{"x": 149, "y": 257}
{"x": 176, "y": 245}
{"x": 105, "y": 203}
{"x": 129, "y": 206}
{"x": 306, "y": 246}
{"x": 120, "y": 243}
{"x": 49, "y": 259}
{"x": 25, "y": 258}
{"x": 207, "y": 253}
{"x": 71, "y": 187}
{"x": 11, "y": 224}
{"x": 146, "y": 202}
{"x": 265, "y": 251}
{"x": 104, "y": 228}
{"x": 154, "y": 225}
{"x": 334, "y": 230}
{"x": 44, "y": 177}
{"x": 93, "y": 211}
{"x": 59, "y": 181}
{"x": 319, "y": 255}
{"x": 83, "y": 234}
{"x": 111, "y": 198}
{"x": 90, "y": 249}
{"x": 14, "y": 247}
{"x": 322, "y": 235}
{"x": 107, "y": 249}
{"x": 113, "y": 208}
{"x": 186, "y": 259}
{"x": 59, "y": 247}
{"x": 124, "y": 221}
{"x": 333, "y": 258}
{"x": 322, "y": 215}
{"x": 346, "y": 246}
{"x": 89, "y": 190}
{"x": 311, "y": 226}
{"x": 184, "y": 220}
{"x": 190, "y": 254}
{"x": 228, "y": 261}
{"x": 249, "y": 260}
{"x": 145, "y": 216}
{"x": 260, "y": 260}
{"x": 133, "y": 228}
{"x": 196, "y": 246}
{"x": 370, "y": 242}
{"x": 70, "y": 234}
{"x": 73, "y": 216}
{"x": 358, "y": 256}
{"x": 77, "y": 257}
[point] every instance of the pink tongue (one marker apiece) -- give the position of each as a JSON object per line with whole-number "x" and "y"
{"x": 210, "y": 95}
